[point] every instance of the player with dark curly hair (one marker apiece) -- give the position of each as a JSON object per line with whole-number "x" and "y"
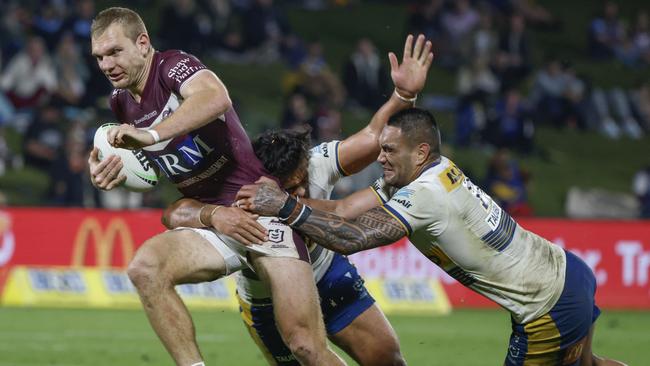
{"x": 352, "y": 319}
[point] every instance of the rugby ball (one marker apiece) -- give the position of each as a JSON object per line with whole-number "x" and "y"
{"x": 140, "y": 173}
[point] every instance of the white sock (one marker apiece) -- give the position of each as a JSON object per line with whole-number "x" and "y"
{"x": 198, "y": 364}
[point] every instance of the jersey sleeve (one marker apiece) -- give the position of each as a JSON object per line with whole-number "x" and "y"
{"x": 415, "y": 206}
{"x": 324, "y": 167}
{"x": 381, "y": 190}
{"x": 179, "y": 67}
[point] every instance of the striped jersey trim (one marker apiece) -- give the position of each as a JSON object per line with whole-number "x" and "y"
{"x": 461, "y": 276}
{"x": 501, "y": 237}
{"x": 391, "y": 211}
{"x": 338, "y": 162}
{"x": 379, "y": 197}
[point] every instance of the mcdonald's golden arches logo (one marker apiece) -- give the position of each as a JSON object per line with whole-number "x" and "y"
{"x": 90, "y": 231}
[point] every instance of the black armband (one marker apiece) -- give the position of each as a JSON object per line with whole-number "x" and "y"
{"x": 288, "y": 208}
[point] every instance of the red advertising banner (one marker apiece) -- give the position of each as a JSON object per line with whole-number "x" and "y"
{"x": 617, "y": 252}
{"x": 73, "y": 237}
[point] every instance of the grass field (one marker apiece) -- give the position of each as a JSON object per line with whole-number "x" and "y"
{"x": 39, "y": 337}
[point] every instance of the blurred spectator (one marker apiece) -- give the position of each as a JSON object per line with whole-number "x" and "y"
{"x": 536, "y": 15}
{"x": 79, "y": 22}
{"x": 328, "y": 123}
{"x": 485, "y": 39}
{"x": 265, "y": 28}
{"x": 606, "y": 33}
{"x": 30, "y": 76}
{"x": 297, "y": 113}
{"x": 5, "y": 153}
{"x": 557, "y": 95}
{"x": 72, "y": 71}
{"x": 513, "y": 63}
{"x": 318, "y": 81}
{"x": 615, "y": 103}
{"x": 218, "y": 19}
{"x": 48, "y": 24}
{"x": 14, "y": 21}
{"x": 43, "y": 138}
{"x": 509, "y": 125}
{"x": 458, "y": 25}
{"x": 477, "y": 88}
{"x": 507, "y": 183}
{"x": 641, "y": 187}
{"x": 365, "y": 78}
{"x": 180, "y": 27}
{"x": 641, "y": 36}
{"x": 640, "y": 99}
{"x": 425, "y": 18}
{"x": 68, "y": 172}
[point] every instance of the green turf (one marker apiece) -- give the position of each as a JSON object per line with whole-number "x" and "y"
{"x": 30, "y": 337}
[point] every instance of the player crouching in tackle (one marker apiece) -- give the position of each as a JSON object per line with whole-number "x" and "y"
{"x": 352, "y": 319}
{"x": 548, "y": 291}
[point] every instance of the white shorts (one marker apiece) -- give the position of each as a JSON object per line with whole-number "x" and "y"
{"x": 283, "y": 242}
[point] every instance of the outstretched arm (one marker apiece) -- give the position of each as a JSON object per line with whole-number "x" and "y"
{"x": 349, "y": 207}
{"x": 371, "y": 229}
{"x": 409, "y": 77}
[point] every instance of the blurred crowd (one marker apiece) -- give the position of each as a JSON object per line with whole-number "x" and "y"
{"x": 52, "y": 94}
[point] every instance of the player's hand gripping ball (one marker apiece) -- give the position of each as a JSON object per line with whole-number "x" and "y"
{"x": 140, "y": 172}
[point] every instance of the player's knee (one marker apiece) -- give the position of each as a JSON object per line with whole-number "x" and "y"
{"x": 304, "y": 345}
{"x": 144, "y": 270}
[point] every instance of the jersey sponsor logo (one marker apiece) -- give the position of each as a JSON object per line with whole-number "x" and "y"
{"x": 146, "y": 117}
{"x": 404, "y": 192}
{"x": 189, "y": 153}
{"x": 325, "y": 150}
{"x": 451, "y": 177}
{"x": 493, "y": 217}
{"x": 276, "y": 235}
{"x": 182, "y": 70}
{"x": 104, "y": 240}
{"x": 404, "y": 202}
{"x": 215, "y": 167}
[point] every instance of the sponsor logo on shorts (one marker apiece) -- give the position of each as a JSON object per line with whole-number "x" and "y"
{"x": 276, "y": 235}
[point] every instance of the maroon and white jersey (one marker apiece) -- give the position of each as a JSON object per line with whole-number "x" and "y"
{"x": 209, "y": 164}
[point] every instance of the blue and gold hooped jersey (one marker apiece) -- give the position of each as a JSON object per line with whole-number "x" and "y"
{"x": 461, "y": 229}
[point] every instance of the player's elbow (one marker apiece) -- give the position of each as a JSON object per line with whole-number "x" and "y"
{"x": 221, "y": 102}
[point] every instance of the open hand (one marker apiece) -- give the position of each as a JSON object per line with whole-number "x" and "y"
{"x": 410, "y": 76}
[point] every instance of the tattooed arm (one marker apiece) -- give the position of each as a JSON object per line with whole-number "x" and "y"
{"x": 371, "y": 229}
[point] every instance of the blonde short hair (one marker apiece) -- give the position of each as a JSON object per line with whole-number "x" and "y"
{"x": 130, "y": 21}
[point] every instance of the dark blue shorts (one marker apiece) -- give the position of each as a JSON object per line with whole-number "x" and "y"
{"x": 556, "y": 338}
{"x": 343, "y": 297}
